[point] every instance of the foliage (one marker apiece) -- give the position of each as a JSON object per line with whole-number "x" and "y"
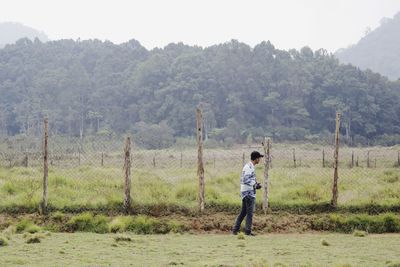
{"x": 86, "y": 222}
{"x": 3, "y": 241}
{"x": 99, "y": 88}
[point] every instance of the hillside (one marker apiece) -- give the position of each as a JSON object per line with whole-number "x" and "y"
{"x": 10, "y": 32}
{"x": 94, "y": 87}
{"x": 379, "y": 50}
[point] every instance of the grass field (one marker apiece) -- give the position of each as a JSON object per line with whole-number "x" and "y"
{"x": 88, "y": 249}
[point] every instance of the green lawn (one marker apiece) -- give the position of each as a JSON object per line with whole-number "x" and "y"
{"x": 88, "y": 249}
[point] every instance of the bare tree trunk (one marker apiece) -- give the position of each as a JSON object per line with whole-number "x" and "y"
{"x": 200, "y": 166}
{"x": 127, "y": 170}
{"x": 267, "y": 162}
{"x": 336, "y": 164}
{"x": 43, "y": 204}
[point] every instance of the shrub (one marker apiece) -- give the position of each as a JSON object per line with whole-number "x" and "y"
{"x": 119, "y": 224}
{"x": 3, "y": 241}
{"x": 86, "y": 222}
{"x": 391, "y": 223}
{"x": 23, "y": 224}
{"x": 176, "y": 227}
{"x": 146, "y": 225}
{"x": 58, "y": 216}
{"x": 33, "y": 229}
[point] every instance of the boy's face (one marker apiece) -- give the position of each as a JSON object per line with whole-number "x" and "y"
{"x": 256, "y": 161}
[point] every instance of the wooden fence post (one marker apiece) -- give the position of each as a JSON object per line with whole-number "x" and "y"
{"x": 43, "y": 204}
{"x": 214, "y": 161}
{"x": 102, "y": 159}
{"x": 181, "y": 163}
{"x": 336, "y": 163}
{"x": 267, "y": 159}
{"x": 200, "y": 166}
{"x": 26, "y": 164}
{"x": 323, "y": 158}
{"x": 368, "y": 163}
{"x": 154, "y": 161}
{"x": 294, "y": 157}
{"x": 127, "y": 170}
{"x": 398, "y": 158}
{"x": 352, "y": 159}
{"x": 243, "y": 160}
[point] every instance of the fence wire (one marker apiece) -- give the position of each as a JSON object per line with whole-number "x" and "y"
{"x": 88, "y": 172}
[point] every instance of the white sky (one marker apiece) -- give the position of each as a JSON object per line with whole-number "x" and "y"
{"x": 330, "y": 24}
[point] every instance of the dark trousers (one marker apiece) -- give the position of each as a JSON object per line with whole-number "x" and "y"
{"x": 247, "y": 211}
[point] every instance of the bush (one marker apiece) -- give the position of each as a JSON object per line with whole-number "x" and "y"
{"x": 23, "y": 224}
{"x": 176, "y": 227}
{"x": 119, "y": 224}
{"x": 33, "y": 229}
{"x": 384, "y": 223}
{"x": 391, "y": 223}
{"x": 146, "y": 225}
{"x": 86, "y": 222}
{"x": 58, "y": 216}
{"x": 3, "y": 241}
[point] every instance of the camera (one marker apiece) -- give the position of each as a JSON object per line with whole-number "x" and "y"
{"x": 257, "y": 186}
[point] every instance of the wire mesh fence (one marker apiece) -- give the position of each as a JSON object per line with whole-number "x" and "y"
{"x": 89, "y": 173}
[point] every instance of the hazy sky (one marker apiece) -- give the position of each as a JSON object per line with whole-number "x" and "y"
{"x": 330, "y": 24}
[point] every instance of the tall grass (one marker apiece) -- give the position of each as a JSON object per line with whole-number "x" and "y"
{"x": 88, "y": 187}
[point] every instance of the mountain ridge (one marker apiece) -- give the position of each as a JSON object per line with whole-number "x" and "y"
{"x": 10, "y": 32}
{"x": 379, "y": 50}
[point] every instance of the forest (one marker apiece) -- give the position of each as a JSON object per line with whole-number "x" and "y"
{"x": 95, "y": 87}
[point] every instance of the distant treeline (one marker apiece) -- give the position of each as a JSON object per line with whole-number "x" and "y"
{"x": 99, "y": 88}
